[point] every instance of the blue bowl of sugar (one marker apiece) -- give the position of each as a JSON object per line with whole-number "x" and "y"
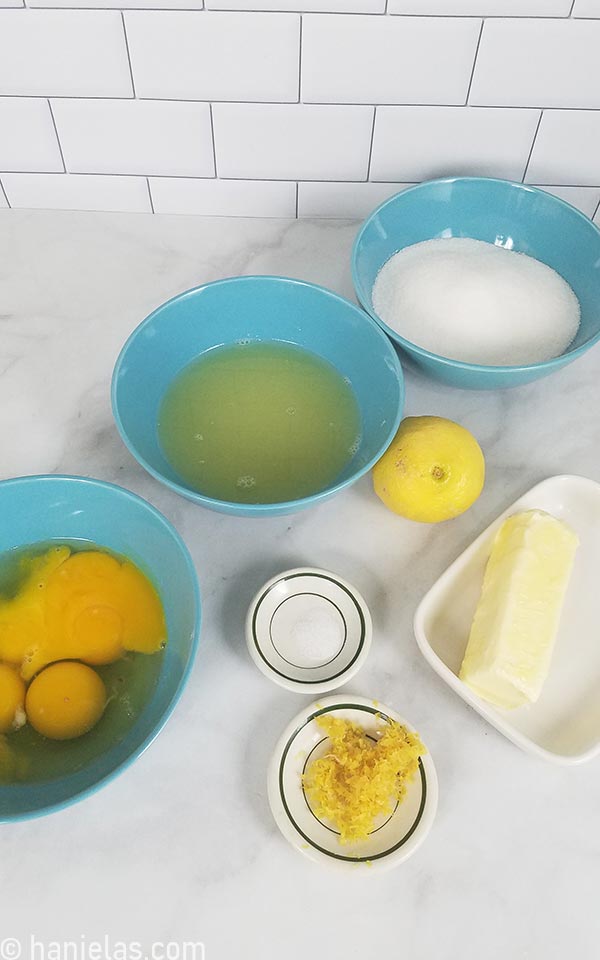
{"x": 511, "y": 215}
{"x": 245, "y": 312}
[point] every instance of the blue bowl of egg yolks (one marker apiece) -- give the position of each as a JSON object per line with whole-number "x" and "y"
{"x": 513, "y": 215}
{"x": 256, "y": 308}
{"x": 42, "y": 509}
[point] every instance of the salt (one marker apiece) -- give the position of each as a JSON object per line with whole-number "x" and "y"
{"x": 474, "y": 301}
{"x": 316, "y": 638}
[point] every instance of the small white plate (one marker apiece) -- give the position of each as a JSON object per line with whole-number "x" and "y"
{"x": 564, "y": 724}
{"x": 303, "y": 740}
{"x": 308, "y": 630}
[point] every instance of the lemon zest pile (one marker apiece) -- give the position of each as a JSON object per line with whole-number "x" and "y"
{"x": 358, "y": 779}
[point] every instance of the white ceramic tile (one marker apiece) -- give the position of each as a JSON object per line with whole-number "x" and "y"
{"x": 3, "y": 202}
{"x": 387, "y": 60}
{"x": 63, "y": 53}
{"x": 155, "y": 137}
{"x": 567, "y": 148}
{"x": 483, "y": 8}
{"x": 223, "y": 198}
{"x": 71, "y": 191}
{"x": 284, "y": 142}
{"x": 585, "y": 199}
{"x": 121, "y": 4}
{"x": 27, "y": 137}
{"x": 11, "y": 3}
{"x": 538, "y": 63}
{"x": 417, "y": 143}
{"x": 214, "y": 56}
{"x": 302, "y": 6}
{"x": 343, "y": 200}
{"x": 586, "y": 8}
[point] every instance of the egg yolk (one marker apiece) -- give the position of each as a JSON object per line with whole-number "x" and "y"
{"x": 65, "y": 700}
{"x": 87, "y": 606}
{"x": 12, "y": 699}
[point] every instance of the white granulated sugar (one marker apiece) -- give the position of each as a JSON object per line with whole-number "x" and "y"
{"x": 474, "y": 301}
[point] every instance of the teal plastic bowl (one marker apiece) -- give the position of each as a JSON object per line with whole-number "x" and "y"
{"x": 38, "y": 509}
{"x": 513, "y": 215}
{"x": 256, "y": 308}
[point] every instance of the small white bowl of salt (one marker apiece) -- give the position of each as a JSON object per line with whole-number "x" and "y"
{"x": 308, "y": 630}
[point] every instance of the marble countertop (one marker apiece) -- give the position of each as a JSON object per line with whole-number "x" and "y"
{"x": 182, "y": 846}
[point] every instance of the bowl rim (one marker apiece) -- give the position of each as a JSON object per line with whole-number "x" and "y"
{"x": 305, "y": 686}
{"x": 82, "y": 794}
{"x": 282, "y": 506}
{"x": 304, "y": 844}
{"x": 364, "y": 297}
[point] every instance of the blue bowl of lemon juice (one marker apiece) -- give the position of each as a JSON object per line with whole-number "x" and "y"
{"x": 44, "y": 514}
{"x": 512, "y": 215}
{"x": 257, "y": 396}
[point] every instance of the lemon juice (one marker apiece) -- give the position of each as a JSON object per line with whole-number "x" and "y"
{"x": 259, "y": 422}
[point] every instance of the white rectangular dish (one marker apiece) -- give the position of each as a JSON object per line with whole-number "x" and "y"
{"x": 564, "y": 724}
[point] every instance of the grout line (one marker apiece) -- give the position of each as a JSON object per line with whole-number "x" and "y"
{"x": 177, "y": 176}
{"x": 596, "y": 210}
{"x": 371, "y": 144}
{"x": 57, "y": 136}
{"x": 300, "y": 63}
{"x": 128, "y": 54}
{"x": 532, "y": 146}
{"x": 4, "y": 194}
{"x": 570, "y": 13}
{"x": 474, "y": 62}
{"x": 318, "y": 13}
{"x": 312, "y": 103}
{"x": 297, "y": 192}
{"x": 150, "y": 194}
{"x": 212, "y": 136}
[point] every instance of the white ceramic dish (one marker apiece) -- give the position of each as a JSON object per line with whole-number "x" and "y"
{"x": 393, "y": 840}
{"x": 564, "y": 724}
{"x": 308, "y": 630}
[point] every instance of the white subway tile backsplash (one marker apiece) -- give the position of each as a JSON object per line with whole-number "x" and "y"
{"x": 302, "y": 6}
{"x": 567, "y": 148}
{"x": 586, "y": 8}
{"x": 71, "y": 191}
{"x": 538, "y": 63}
{"x": 285, "y": 142}
{"x": 27, "y": 137}
{"x": 214, "y": 56}
{"x": 58, "y": 53}
{"x": 224, "y": 198}
{"x": 418, "y": 143}
{"x": 152, "y": 137}
{"x": 387, "y": 60}
{"x": 483, "y": 8}
{"x": 343, "y": 200}
{"x": 319, "y": 108}
{"x": 585, "y": 199}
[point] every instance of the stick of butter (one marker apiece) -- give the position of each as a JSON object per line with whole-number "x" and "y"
{"x": 512, "y": 637}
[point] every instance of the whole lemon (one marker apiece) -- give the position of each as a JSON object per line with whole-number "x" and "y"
{"x": 433, "y": 470}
